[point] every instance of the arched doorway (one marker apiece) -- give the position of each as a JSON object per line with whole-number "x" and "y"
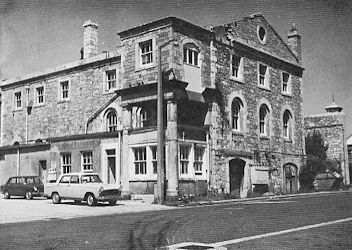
{"x": 290, "y": 178}
{"x": 236, "y": 174}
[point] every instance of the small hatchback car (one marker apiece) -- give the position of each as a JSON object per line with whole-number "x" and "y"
{"x": 27, "y": 186}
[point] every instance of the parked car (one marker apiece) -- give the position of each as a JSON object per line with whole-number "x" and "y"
{"x": 27, "y": 186}
{"x": 82, "y": 187}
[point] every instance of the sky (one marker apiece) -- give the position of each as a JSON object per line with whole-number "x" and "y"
{"x": 37, "y": 34}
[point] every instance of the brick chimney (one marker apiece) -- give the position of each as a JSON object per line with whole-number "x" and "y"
{"x": 90, "y": 39}
{"x": 294, "y": 42}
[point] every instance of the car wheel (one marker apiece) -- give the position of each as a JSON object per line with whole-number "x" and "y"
{"x": 112, "y": 202}
{"x": 56, "y": 198}
{"x": 6, "y": 195}
{"x": 29, "y": 195}
{"x": 91, "y": 200}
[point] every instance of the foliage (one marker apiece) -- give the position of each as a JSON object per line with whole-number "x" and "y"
{"x": 315, "y": 145}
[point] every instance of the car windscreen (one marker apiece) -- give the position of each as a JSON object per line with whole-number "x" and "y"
{"x": 91, "y": 178}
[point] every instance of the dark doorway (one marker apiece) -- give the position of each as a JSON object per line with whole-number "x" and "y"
{"x": 111, "y": 157}
{"x": 291, "y": 179}
{"x": 236, "y": 172}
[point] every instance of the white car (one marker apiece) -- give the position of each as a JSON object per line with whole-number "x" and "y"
{"x": 82, "y": 187}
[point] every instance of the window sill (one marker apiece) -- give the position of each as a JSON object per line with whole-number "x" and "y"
{"x": 145, "y": 66}
{"x": 264, "y": 137}
{"x": 264, "y": 87}
{"x": 237, "y": 132}
{"x": 17, "y": 109}
{"x": 63, "y": 101}
{"x": 287, "y": 140}
{"x": 39, "y": 105}
{"x": 237, "y": 79}
{"x": 191, "y": 65}
{"x": 286, "y": 94}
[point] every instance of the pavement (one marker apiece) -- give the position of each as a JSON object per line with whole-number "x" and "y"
{"x": 16, "y": 210}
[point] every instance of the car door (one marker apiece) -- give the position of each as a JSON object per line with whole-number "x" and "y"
{"x": 63, "y": 185}
{"x": 18, "y": 187}
{"x": 11, "y": 185}
{"x": 74, "y": 188}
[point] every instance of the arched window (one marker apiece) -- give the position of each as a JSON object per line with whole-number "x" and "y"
{"x": 264, "y": 120}
{"x": 190, "y": 54}
{"x": 141, "y": 117}
{"x": 111, "y": 121}
{"x": 237, "y": 114}
{"x": 287, "y": 124}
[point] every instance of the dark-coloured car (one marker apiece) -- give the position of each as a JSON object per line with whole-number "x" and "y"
{"x": 26, "y": 186}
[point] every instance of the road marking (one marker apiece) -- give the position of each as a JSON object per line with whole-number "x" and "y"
{"x": 228, "y": 242}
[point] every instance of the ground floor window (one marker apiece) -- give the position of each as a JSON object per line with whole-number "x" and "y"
{"x": 154, "y": 159}
{"x": 140, "y": 160}
{"x": 66, "y": 163}
{"x": 87, "y": 161}
{"x": 198, "y": 160}
{"x": 184, "y": 159}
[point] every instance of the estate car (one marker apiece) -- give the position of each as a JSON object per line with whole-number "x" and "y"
{"x": 82, "y": 187}
{"x": 26, "y": 186}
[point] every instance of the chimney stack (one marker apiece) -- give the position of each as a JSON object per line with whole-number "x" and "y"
{"x": 294, "y": 42}
{"x": 90, "y": 39}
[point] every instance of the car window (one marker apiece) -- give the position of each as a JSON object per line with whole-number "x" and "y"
{"x": 30, "y": 180}
{"x": 74, "y": 179}
{"x": 37, "y": 180}
{"x": 65, "y": 179}
{"x": 90, "y": 178}
{"x": 20, "y": 180}
{"x": 12, "y": 181}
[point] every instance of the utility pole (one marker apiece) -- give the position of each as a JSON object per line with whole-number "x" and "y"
{"x": 160, "y": 129}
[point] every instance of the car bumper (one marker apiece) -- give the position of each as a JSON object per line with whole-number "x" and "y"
{"x": 107, "y": 197}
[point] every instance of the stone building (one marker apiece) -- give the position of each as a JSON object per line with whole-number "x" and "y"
{"x": 233, "y": 110}
{"x": 331, "y": 126}
{"x": 349, "y": 153}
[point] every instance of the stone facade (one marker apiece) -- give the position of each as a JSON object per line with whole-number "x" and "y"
{"x": 210, "y": 143}
{"x": 331, "y": 126}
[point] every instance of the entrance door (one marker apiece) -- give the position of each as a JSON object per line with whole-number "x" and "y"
{"x": 111, "y": 162}
{"x": 236, "y": 173}
{"x": 291, "y": 179}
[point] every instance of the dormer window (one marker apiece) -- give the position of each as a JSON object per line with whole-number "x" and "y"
{"x": 190, "y": 54}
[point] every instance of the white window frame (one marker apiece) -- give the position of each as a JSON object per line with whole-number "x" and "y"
{"x": 264, "y": 124}
{"x": 287, "y": 83}
{"x": 184, "y": 161}
{"x": 111, "y": 121}
{"x": 240, "y": 116}
{"x": 18, "y": 100}
{"x": 139, "y": 54}
{"x": 140, "y": 164}
{"x": 191, "y": 55}
{"x": 66, "y": 162}
{"x": 61, "y": 90}
{"x": 154, "y": 154}
{"x": 265, "y": 38}
{"x": 87, "y": 161}
{"x": 198, "y": 161}
{"x": 265, "y": 77}
{"x": 239, "y": 69}
{"x": 287, "y": 125}
{"x": 111, "y": 83}
{"x": 38, "y": 95}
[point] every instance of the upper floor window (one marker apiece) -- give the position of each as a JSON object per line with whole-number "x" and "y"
{"x": 87, "y": 161}
{"x": 39, "y": 95}
{"x": 198, "y": 160}
{"x": 237, "y": 114}
{"x": 237, "y": 67}
{"x": 286, "y": 83}
{"x": 262, "y": 34}
{"x": 141, "y": 117}
{"x": 146, "y": 52}
{"x": 66, "y": 164}
{"x": 140, "y": 161}
{"x": 184, "y": 159}
{"x": 18, "y": 100}
{"x": 64, "y": 90}
{"x": 263, "y": 75}
{"x": 190, "y": 54}
{"x": 287, "y": 125}
{"x": 111, "y": 120}
{"x": 264, "y": 120}
{"x": 111, "y": 80}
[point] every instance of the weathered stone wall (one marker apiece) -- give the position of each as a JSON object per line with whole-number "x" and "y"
{"x": 55, "y": 118}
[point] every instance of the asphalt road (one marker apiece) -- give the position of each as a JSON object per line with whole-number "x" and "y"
{"x": 227, "y": 225}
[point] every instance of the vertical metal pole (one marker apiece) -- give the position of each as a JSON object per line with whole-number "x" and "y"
{"x": 160, "y": 135}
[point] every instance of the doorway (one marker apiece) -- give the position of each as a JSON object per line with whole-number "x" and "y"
{"x": 111, "y": 162}
{"x": 236, "y": 173}
{"x": 291, "y": 178}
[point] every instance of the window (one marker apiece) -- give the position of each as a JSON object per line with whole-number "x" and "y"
{"x": 264, "y": 120}
{"x": 146, "y": 52}
{"x": 236, "y": 67}
{"x": 287, "y": 125}
{"x": 286, "y": 79}
{"x": 141, "y": 117}
{"x": 263, "y": 76}
{"x": 64, "y": 90}
{"x": 40, "y": 95}
{"x": 261, "y": 33}
{"x": 87, "y": 161}
{"x": 154, "y": 159}
{"x": 65, "y": 179}
{"x": 111, "y": 79}
{"x": 190, "y": 54}
{"x": 111, "y": 120}
{"x": 198, "y": 160}
{"x": 74, "y": 179}
{"x": 66, "y": 163}
{"x": 140, "y": 161}
{"x": 237, "y": 114}
{"x": 184, "y": 159}
{"x": 18, "y": 100}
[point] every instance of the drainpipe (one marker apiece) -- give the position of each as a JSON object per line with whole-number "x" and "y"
{"x": 18, "y": 161}
{"x": 120, "y": 157}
